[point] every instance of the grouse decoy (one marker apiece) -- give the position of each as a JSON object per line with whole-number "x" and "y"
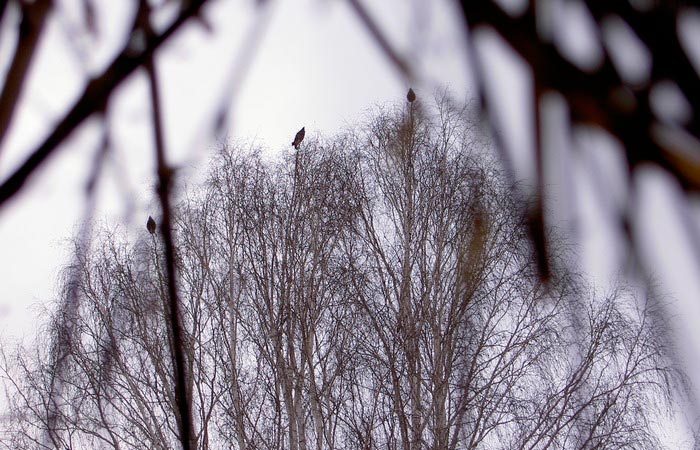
{"x": 151, "y": 225}
{"x": 298, "y": 138}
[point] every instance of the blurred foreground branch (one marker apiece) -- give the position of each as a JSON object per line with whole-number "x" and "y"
{"x": 95, "y": 97}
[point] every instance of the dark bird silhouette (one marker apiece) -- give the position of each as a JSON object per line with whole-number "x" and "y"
{"x": 411, "y": 96}
{"x": 151, "y": 225}
{"x": 298, "y": 138}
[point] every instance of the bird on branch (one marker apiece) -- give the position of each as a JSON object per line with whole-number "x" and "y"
{"x": 151, "y": 225}
{"x": 298, "y": 138}
{"x": 411, "y": 96}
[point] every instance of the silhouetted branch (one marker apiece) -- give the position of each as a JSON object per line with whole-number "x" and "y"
{"x": 600, "y": 96}
{"x": 30, "y": 29}
{"x": 95, "y": 96}
{"x": 174, "y": 316}
{"x": 379, "y": 37}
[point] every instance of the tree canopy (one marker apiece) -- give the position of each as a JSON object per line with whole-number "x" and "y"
{"x": 371, "y": 290}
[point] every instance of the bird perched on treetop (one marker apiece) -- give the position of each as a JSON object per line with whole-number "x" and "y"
{"x": 151, "y": 225}
{"x": 298, "y": 138}
{"x": 411, "y": 96}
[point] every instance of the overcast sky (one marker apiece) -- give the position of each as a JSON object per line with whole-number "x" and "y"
{"x": 297, "y": 63}
{"x": 301, "y": 63}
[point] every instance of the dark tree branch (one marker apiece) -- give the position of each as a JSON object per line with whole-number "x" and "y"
{"x": 594, "y": 98}
{"x": 165, "y": 173}
{"x": 3, "y": 7}
{"x": 94, "y": 97}
{"x": 600, "y": 97}
{"x": 30, "y": 28}
{"x": 379, "y": 37}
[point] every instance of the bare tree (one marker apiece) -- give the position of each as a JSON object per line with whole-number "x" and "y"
{"x": 371, "y": 291}
{"x": 460, "y": 328}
